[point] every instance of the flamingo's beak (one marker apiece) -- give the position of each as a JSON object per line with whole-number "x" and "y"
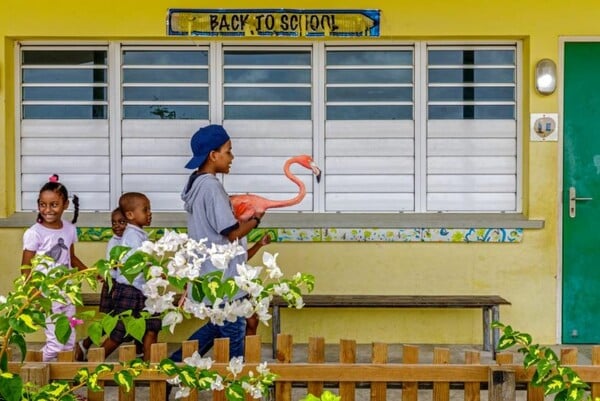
{"x": 316, "y": 171}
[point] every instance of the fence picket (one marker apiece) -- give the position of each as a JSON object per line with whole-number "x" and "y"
{"x": 595, "y": 361}
{"x": 441, "y": 390}
{"x": 158, "y": 391}
{"x": 472, "y": 389}
{"x": 347, "y": 355}
{"x": 316, "y": 354}
{"x": 410, "y": 355}
{"x": 252, "y": 354}
{"x": 379, "y": 355}
{"x": 221, "y": 353}
{"x": 126, "y": 353}
{"x": 187, "y": 350}
{"x": 65, "y": 356}
{"x": 283, "y": 390}
{"x": 96, "y": 355}
{"x": 34, "y": 356}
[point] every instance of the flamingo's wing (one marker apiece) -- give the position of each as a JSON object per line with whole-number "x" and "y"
{"x": 242, "y": 207}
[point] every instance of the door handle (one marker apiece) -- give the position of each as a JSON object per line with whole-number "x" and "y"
{"x": 573, "y": 201}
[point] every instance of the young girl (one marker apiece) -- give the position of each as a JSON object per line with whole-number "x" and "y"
{"x": 53, "y": 237}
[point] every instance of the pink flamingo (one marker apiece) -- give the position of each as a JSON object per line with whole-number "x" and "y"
{"x": 247, "y": 205}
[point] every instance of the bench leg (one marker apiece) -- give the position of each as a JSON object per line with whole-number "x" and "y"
{"x": 496, "y": 331}
{"x": 487, "y": 325}
{"x": 275, "y": 329}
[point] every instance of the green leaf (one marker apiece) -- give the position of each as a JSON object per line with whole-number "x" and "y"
{"x": 554, "y": 385}
{"x": 4, "y": 362}
{"x": 19, "y": 341}
{"x": 197, "y": 292}
{"x": 524, "y": 338}
{"x": 62, "y": 329}
{"x": 117, "y": 252}
{"x": 329, "y": 396}
{"x": 136, "y": 327}
{"x": 228, "y": 289}
{"x": 109, "y": 323}
{"x": 82, "y": 375}
{"x": 177, "y": 283}
{"x": 505, "y": 342}
{"x": 103, "y": 368}
{"x": 11, "y": 386}
{"x": 124, "y": 379}
{"x": 310, "y": 397}
{"x": 234, "y": 392}
{"x": 27, "y": 321}
{"x": 168, "y": 367}
{"x": 95, "y": 332}
{"x": 133, "y": 266}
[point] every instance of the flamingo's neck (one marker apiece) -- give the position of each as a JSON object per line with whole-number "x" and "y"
{"x": 301, "y": 188}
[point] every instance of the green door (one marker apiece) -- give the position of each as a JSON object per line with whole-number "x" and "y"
{"x": 581, "y": 194}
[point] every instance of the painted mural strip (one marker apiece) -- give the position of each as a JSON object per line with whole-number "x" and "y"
{"x": 273, "y": 22}
{"x": 490, "y": 235}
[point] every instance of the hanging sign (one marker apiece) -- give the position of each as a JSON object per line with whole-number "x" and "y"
{"x": 280, "y": 22}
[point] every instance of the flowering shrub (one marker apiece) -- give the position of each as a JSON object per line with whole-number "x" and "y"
{"x": 549, "y": 373}
{"x": 171, "y": 264}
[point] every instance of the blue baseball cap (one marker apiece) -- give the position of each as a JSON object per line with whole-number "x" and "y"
{"x": 205, "y": 140}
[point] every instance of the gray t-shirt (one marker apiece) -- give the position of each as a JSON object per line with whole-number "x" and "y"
{"x": 209, "y": 213}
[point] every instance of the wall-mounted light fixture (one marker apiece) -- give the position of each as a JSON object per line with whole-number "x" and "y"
{"x": 545, "y": 76}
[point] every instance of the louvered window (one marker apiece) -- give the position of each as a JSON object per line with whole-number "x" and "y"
{"x": 64, "y": 123}
{"x": 471, "y": 129}
{"x": 267, "y": 103}
{"x": 165, "y": 99}
{"x": 369, "y": 131}
{"x": 396, "y": 127}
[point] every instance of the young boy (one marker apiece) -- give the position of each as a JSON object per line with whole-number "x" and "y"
{"x": 118, "y": 224}
{"x": 126, "y": 296}
{"x": 209, "y": 215}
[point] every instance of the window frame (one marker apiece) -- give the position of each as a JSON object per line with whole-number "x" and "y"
{"x": 216, "y": 113}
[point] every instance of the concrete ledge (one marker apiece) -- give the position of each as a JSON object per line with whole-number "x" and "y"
{"x": 322, "y": 220}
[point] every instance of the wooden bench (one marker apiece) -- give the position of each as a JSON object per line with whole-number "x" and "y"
{"x": 489, "y": 305}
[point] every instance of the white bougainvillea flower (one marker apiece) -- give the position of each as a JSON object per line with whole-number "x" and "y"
{"x": 220, "y": 260}
{"x": 198, "y": 362}
{"x": 160, "y": 303}
{"x": 182, "y": 392}
{"x": 155, "y": 286}
{"x": 2, "y": 299}
{"x": 270, "y": 262}
{"x": 253, "y": 390}
{"x": 281, "y": 289}
{"x": 172, "y": 319}
{"x": 236, "y": 364}
{"x": 217, "y": 384}
{"x": 262, "y": 311}
{"x": 155, "y": 271}
{"x": 262, "y": 368}
{"x": 147, "y": 247}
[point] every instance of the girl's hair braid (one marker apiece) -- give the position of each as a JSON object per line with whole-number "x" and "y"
{"x": 55, "y": 186}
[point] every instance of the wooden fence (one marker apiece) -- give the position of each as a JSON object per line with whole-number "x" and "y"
{"x": 500, "y": 378}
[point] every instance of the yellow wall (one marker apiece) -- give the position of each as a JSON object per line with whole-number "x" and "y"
{"x": 525, "y": 273}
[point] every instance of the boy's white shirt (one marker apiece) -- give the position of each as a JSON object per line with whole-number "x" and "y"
{"x": 133, "y": 237}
